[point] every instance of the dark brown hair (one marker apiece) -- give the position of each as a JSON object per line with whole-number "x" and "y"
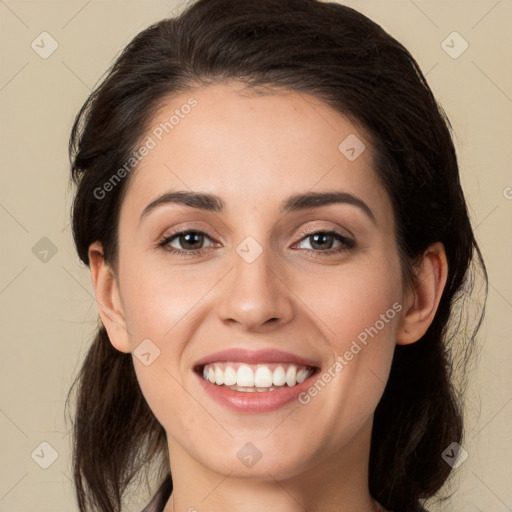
{"x": 346, "y": 60}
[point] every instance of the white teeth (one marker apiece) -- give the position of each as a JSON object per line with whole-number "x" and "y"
{"x": 229, "y": 376}
{"x": 245, "y": 376}
{"x": 256, "y": 377}
{"x": 219, "y": 377}
{"x": 263, "y": 377}
{"x": 291, "y": 375}
{"x": 302, "y": 375}
{"x": 279, "y": 377}
{"x": 251, "y": 390}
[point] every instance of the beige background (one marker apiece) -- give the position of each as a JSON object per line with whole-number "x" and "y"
{"x": 47, "y": 309}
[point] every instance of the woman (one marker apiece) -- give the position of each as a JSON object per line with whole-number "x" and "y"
{"x": 269, "y": 202}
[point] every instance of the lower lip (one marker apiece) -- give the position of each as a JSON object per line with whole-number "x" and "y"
{"x": 255, "y": 401}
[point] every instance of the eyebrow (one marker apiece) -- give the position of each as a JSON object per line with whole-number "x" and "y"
{"x": 213, "y": 203}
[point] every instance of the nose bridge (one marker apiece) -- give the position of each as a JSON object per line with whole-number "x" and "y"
{"x": 256, "y": 292}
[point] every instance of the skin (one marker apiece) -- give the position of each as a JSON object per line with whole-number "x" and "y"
{"x": 254, "y": 151}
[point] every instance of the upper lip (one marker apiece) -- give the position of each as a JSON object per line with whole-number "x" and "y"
{"x": 254, "y": 357}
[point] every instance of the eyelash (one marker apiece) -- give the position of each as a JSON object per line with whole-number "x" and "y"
{"x": 347, "y": 243}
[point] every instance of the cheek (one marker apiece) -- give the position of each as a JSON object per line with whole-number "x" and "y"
{"x": 360, "y": 301}
{"x": 161, "y": 311}
{"x": 157, "y": 300}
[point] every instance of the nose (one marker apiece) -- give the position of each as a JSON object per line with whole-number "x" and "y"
{"x": 255, "y": 295}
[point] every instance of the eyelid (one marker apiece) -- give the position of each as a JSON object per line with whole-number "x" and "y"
{"x": 186, "y": 227}
{"x": 331, "y": 229}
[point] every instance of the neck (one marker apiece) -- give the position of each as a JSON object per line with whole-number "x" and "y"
{"x": 336, "y": 483}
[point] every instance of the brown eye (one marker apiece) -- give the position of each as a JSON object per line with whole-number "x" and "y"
{"x": 323, "y": 241}
{"x": 191, "y": 240}
{"x": 185, "y": 242}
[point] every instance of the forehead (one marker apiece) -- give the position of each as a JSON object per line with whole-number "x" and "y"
{"x": 253, "y": 149}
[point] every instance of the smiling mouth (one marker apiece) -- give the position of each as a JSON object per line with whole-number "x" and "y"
{"x": 260, "y": 377}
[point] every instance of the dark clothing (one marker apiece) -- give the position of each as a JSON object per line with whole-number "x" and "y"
{"x": 159, "y": 500}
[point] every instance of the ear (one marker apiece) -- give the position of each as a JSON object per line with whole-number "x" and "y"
{"x": 106, "y": 290}
{"x": 424, "y": 296}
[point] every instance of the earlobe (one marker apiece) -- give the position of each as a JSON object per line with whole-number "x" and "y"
{"x": 109, "y": 303}
{"x": 424, "y": 297}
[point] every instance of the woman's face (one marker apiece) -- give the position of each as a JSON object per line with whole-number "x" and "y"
{"x": 251, "y": 291}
